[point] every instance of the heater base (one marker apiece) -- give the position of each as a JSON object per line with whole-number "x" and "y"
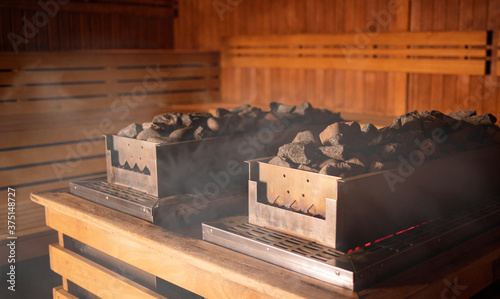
{"x": 168, "y": 212}
{"x": 362, "y": 266}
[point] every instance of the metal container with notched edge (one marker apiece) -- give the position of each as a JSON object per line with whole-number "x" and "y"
{"x": 349, "y": 212}
{"x": 191, "y": 166}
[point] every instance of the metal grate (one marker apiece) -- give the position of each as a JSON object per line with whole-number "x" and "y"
{"x": 358, "y": 268}
{"x": 120, "y": 191}
{"x": 118, "y": 197}
{"x": 296, "y": 245}
{"x": 433, "y": 228}
{"x": 293, "y": 244}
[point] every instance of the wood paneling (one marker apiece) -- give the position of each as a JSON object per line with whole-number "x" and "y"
{"x": 446, "y": 92}
{"x": 199, "y": 26}
{"x": 335, "y": 89}
{"x": 78, "y": 24}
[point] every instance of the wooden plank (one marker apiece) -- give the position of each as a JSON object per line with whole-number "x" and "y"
{"x": 89, "y": 7}
{"x": 107, "y": 75}
{"x": 392, "y": 38}
{"x": 358, "y": 51}
{"x": 60, "y": 293}
{"x": 103, "y": 90}
{"x": 397, "y": 94}
{"x": 47, "y": 154}
{"x": 89, "y": 130}
{"x": 29, "y": 244}
{"x": 94, "y": 277}
{"x": 28, "y": 216}
{"x": 48, "y": 121}
{"x": 6, "y": 25}
{"x": 31, "y": 42}
{"x": 26, "y": 220}
{"x": 57, "y": 171}
{"x": 372, "y": 97}
{"x": 93, "y": 59}
{"x": 440, "y": 66}
{"x": 111, "y": 104}
{"x": 23, "y": 193}
{"x": 205, "y": 269}
{"x": 339, "y": 88}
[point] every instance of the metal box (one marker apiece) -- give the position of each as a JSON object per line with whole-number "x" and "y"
{"x": 357, "y": 210}
{"x": 197, "y": 166}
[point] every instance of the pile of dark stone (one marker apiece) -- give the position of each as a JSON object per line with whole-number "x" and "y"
{"x": 173, "y": 126}
{"x": 345, "y": 149}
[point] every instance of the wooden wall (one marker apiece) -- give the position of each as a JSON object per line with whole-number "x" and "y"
{"x": 84, "y": 24}
{"x": 446, "y": 92}
{"x": 201, "y": 25}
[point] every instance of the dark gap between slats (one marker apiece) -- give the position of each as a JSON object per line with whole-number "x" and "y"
{"x": 134, "y": 67}
{"x": 161, "y": 79}
{"x": 65, "y": 83}
{"x": 163, "y": 92}
{"x": 64, "y": 69}
{"x": 70, "y": 98}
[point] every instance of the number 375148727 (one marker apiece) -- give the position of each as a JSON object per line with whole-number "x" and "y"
{"x": 11, "y": 211}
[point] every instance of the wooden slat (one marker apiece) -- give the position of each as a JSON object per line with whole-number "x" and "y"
{"x": 440, "y": 66}
{"x": 93, "y": 59}
{"x": 12, "y": 123}
{"x": 392, "y": 38}
{"x": 60, "y": 293}
{"x": 47, "y": 154}
{"x": 94, "y": 277}
{"x": 85, "y": 127}
{"x": 28, "y": 216}
{"x": 114, "y": 89}
{"x": 56, "y": 171}
{"x": 40, "y": 77}
{"x": 30, "y": 243}
{"x": 79, "y": 7}
{"x": 359, "y": 51}
{"x": 91, "y": 104}
{"x": 23, "y": 193}
{"x": 205, "y": 269}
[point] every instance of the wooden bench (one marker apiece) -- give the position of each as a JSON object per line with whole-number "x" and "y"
{"x": 155, "y": 255}
{"x": 56, "y": 106}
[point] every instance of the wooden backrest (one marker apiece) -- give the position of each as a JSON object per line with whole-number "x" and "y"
{"x": 55, "y": 108}
{"x": 449, "y": 52}
{"x": 71, "y": 81}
